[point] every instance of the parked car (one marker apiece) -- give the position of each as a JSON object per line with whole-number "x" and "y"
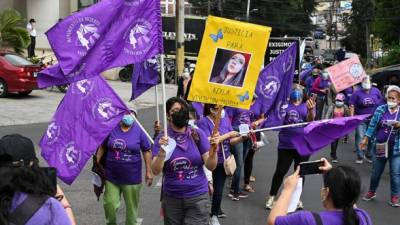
{"x": 17, "y": 74}
{"x": 319, "y": 34}
{"x": 310, "y": 42}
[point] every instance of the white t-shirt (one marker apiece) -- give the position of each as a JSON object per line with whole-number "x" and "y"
{"x": 31, "y": 30}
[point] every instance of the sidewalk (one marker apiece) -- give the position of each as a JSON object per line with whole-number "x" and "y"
{"x": 40, "y": 105}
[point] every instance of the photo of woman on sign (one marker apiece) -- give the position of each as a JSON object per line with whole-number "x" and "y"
{"x": 233, "y": 72}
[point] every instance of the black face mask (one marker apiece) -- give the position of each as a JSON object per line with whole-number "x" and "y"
{"x": 181, "y": 118}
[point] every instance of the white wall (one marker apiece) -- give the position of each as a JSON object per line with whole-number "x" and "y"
{"x": 6, "y": 4}
{"x": 46, "y": 13}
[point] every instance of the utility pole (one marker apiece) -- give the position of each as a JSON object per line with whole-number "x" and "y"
{"x": 367, "y": 41}
{"x": 208, "y": 7}
{"x": 180, "y": 38}
{"x": 248, "y": 10}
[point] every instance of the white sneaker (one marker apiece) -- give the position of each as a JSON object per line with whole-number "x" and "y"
{"x": 359, "y": 161}
{"x": 270, "y": 202}
{"x": 214, "y": 221}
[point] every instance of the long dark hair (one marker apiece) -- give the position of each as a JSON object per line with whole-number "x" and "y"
{"x": 26, "y": 179}
{"x": 207, "y": 109}
{"x": 344, "y": 185}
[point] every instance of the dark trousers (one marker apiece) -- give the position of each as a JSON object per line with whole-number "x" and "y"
{"x": 285, "y": 159}
{"x": 219, "y": 177}
{"x": 31, "y": 47}
{"x": 334, "y": 146}
{"x": 248, "y": 162}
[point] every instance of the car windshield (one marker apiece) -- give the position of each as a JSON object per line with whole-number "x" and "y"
{"x": 17, "y": 60}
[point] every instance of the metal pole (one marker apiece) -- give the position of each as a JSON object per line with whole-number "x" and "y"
{"x": 248, "y": 10}
{"x": 180, "y": 38}
{"x": 144, "y": 131}
{"x": 368, "y": 45}
{"x": 164, "y": 96}
{"x": 157, "y": 105}
{"x": 278, "y": 127}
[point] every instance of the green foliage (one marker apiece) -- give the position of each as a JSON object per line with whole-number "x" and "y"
{"x": 393, "y": 56}
{"x": 12, "y": 34}
{"x": 386, "y": 23}
{"x": 289, "y": 17}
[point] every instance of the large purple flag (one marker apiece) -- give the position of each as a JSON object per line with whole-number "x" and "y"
{"x": 145, "y": 76}
{"x": 275, "y": 84}
{"x": 319, "y": 134}
{"x": 304, "y": 74}
{"x": 133, "y": 35}
{"x": 86, "y": 115}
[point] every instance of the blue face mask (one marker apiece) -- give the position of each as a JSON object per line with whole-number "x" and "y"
{"x": 128, "y": 120}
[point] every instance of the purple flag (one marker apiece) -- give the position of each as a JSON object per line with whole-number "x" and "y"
{"x": 133, "y": 35}
{"x": 145, "y": 76}
{"x": 275, "y": 84}
{"x": 316, "y": 137}
{"x": 86, "y": 115}
{"x": 304, "y": 74}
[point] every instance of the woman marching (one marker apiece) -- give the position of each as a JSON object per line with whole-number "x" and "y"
{"x": 296, "y": 112}
{"x": 384, "y": 127}
{"x": 185, "y": 198}
{"x": 228, "y": 138}
{"x": 122, "y": 152}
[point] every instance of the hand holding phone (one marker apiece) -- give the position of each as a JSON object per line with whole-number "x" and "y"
{"x": 312, "y": 167}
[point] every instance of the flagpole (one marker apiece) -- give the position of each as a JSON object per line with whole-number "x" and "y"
{"x": 144, "y": 131}
{"x": 157, "y": 104}
{"x": 163, "y": 95}
{"x": 278, "y": 127}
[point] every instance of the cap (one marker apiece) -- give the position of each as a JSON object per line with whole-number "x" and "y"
{"x": 340, "y": 97}
{"x": 15, "y": 147}
{"x": 393, "y": 88}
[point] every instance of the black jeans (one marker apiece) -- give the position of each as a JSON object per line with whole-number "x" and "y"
{"x": 248, "y": 162}
{"x": 31, "y": 47}
{"x": 219, "y": 178}
{"x": 334, "y": 146}
{"x": 285, "y": 159}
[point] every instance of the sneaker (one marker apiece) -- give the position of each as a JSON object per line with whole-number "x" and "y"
{"x": 269, "y": 202}
{"x": 359, "y": 161}
{"x": 369, "y": 196}
{"x": 221, "y": 214}
{"x": 300, "y": 205}
{"x": 230, "y": 195}
{"x": 369, "y": 160}
{"x": 235, "y": 197}
{"x": 394, "y": 202}
{"x": 214, "y": 221}
{"x": 334, "y": 160}
{"x": 243, "y": 195}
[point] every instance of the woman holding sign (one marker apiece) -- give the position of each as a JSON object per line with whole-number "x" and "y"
{"x": 228, "y": 138}
{"x": 181, "y": 156}
{"x": 296, "y": 112}
{"x": 384, "y": 126}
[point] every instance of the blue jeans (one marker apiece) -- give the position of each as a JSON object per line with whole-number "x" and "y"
{"x": 219, "y": 177}
{"x": 360, "y": 132}
{"x": 239, "y": 151}
{"x": 378, "y": 166}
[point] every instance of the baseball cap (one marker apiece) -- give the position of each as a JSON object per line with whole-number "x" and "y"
{"x": 15, "y": 147}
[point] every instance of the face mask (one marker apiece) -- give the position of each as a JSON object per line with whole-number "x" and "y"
{"x": 366, "y": 86}
{"x": 339, "y": 103}
{"x": 392, "y": 104}
{"x": 314, "y": 73}
{"x": 325, "y": 76}
{"x": 181, "y": 118}
{"x": 128, "y": 120}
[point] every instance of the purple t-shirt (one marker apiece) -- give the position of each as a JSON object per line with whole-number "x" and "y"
{"x": 383, "y": 131}
{"x": 51, "y": 212}
{"x": 256, "y": 111}
{"x": 328, "y": 218}
{"x": 123, "y": 159}
{"x": 199, "y": 108}
{"x": 366, "y": 103}
{"x": 294, "y": 114}
{"x": 184, "y": 176}
{"x": 239, "y": 116}
{"x": 207, "y": 125}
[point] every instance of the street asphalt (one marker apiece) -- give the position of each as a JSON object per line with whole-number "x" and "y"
{"x": 249, "y": 211}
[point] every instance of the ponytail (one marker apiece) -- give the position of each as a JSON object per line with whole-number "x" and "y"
{"x": 350, "y": 216}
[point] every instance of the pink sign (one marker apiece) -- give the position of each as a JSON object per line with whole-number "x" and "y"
{"x": 346, "y": 73}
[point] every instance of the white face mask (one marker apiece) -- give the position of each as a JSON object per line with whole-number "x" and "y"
{"x": 391, "y": 104}
{"x": 366, "y": 86}
{"x": 339, "y": 103}
{"x": 192, "y": 123}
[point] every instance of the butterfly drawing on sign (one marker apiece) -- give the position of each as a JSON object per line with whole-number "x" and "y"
{"x": 217, "y": 36}
{"x": 244, "y": 97}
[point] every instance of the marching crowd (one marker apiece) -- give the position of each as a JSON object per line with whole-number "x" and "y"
{"x": 203, "y": 160}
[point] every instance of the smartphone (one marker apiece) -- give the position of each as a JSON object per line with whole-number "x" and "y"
{"x": 314, "y": 96}
{"x": 312, "y": 167}
{"x": 51, "y": 174}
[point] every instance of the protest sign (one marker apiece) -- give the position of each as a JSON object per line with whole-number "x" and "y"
{"x": 277, "y": 46}
{"x": 229, "y": 62}
{"x": 346, "y": 73}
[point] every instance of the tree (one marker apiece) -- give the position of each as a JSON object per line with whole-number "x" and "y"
{"x": 11, "y": 33}
{"x": 359, "y": 21}
{"x": 386, "y": 23}
{"x": 291, "y": 17}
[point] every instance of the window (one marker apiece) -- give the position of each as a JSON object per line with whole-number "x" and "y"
{"x": 86, "y": 3}
{"x": 17, "y": 60}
